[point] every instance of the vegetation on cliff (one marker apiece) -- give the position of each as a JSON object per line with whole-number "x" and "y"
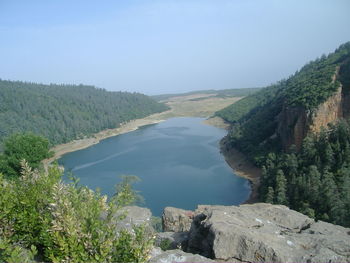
{"x": 316, "y": 179}
{"x": 62, "y": 113}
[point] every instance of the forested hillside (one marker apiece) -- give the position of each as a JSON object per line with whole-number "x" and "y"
{"x": 315, "y": 180}
{"x": 255, "y": 118}
{"x": 311, "y": 107}
{"x": 65, "y": 112}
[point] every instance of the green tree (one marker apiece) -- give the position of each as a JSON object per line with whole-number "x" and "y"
{"x": 270, "y": 196}
{"x": 281, "y": 188}
{"x": 313, "y": 184}
{"x": 19, "y": 147}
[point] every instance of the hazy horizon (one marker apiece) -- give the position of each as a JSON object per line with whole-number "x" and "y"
{"x": 169, "y": 46}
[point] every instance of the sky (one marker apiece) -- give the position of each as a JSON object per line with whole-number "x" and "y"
{"x": 166, "y": 46}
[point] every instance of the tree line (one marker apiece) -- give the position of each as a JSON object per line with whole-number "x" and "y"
{"x": 62, "y": 113}
{"x": 315, "y": 180}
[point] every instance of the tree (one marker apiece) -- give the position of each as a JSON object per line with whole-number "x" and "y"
{"x": 18, "y": 147}
{"x": 313, "y": 184}
{"x": 270, "y": 195}
{"x": 281, "y": 188}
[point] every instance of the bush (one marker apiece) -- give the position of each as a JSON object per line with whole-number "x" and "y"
{"x": 66, "y": 222}
{"x": 26, "y": 146}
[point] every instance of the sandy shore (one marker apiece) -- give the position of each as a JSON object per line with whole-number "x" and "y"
{"x": 76, "y": 145}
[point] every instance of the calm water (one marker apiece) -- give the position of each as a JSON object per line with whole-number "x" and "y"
{"x": 178, "y": 161}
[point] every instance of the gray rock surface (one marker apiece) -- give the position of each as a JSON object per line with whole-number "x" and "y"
{"x": 266, "y": 233}
{"x": 175, "y": 239}
{"x": 134, "y": 215}
{"x": 172, "y": 256}
{"x": 176, "y": 220}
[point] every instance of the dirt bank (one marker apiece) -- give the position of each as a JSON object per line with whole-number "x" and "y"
{"x": 242, "y": 167}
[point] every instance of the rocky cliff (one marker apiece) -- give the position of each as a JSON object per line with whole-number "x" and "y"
{"x": 263, "y": 233}
{"x": 294, "y": 123}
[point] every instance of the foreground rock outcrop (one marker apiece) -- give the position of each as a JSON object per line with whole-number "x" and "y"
{"x": 176, "y": 220}
{"x": 262, "y": 233}
{"x": 130, "y": 216}
{"x": 265, "y": 233}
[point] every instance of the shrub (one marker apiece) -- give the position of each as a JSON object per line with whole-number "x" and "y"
{"x": 66, "y": 222}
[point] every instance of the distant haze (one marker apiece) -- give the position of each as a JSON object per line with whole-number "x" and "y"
{"x": 164, "y": 46}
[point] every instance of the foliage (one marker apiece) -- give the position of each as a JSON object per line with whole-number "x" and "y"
{"x": 255, "y": 118}
{"x": 241, "y": 108}
{"x": 18, "y": 147}
{"x": 65, "y": 222}
{"x": 63, "y": 113}
{"x": 15, "y": 253}
{"x": 165, "y": 244}
{"x": 316, "y": 180}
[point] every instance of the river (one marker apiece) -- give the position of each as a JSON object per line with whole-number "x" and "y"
{"x": 178, "y": 161}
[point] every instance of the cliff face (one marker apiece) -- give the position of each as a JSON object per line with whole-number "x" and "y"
{"x": 294, "y": 123}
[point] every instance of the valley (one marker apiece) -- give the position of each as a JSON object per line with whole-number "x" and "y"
{"x": 183, "y": 106}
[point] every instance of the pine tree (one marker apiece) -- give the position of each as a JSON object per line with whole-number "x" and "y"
{"x": 281, "y": 188}
{"x": 270, "y": 196}
{"x": 314, "y": 183}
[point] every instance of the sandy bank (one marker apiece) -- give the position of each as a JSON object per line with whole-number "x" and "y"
{"x": 76, "y": 145}
{"x": 242, "y": 167}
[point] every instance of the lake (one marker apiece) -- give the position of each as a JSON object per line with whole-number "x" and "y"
{"x": 178, "y": 161}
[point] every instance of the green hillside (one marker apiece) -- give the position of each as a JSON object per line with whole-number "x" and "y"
{"x": 314, "y": 179}
{"x": 65, "y": 112}
{"x": 255, "y": 116}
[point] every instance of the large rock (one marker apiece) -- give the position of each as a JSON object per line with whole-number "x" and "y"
{"x": 176, "y": 220}
{"x": 266, "y": 233}
{"x": 130, "y": 216}
{"x": 172, "y": 256}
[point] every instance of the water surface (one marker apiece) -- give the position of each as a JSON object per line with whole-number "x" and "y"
{"x": 178, "y": 161}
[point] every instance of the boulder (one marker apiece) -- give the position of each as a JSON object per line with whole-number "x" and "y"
{"x": 171, "y": 256}
{"x": 129, "y": 216}
{"x": 176, "y": 220}
{"x": 265, "y": 233}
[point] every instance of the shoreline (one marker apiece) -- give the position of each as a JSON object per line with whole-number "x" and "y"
{"x": 238, "y": 162}
{"x": 76, "y": 145}
{"x": 244, "y": 168}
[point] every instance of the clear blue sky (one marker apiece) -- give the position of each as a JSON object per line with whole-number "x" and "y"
{"x": 166, "y": 46}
